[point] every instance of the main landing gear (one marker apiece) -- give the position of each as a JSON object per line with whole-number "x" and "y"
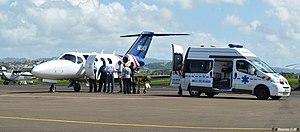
{"x": 75, "y": 85}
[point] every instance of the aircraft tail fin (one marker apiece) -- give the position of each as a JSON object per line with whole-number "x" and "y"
{"x": 141, "y": 45}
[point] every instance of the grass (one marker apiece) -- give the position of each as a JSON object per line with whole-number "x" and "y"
{"x": 293, "y": 82}
{"x": 160, "y": 82}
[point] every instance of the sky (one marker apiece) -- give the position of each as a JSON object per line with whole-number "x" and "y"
{"x": 47, "y": 28}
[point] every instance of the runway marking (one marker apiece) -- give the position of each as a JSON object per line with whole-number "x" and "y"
{"x": 134, "y": 125}
{"x": 81, "y": 97}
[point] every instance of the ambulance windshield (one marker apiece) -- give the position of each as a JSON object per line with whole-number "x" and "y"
{"x": 262, "y": 66}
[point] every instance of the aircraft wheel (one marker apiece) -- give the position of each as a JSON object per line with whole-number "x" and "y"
{"x": 262, "y": 93}
{"x": 275, "y": 97}
{"x": 194, "y": 92}
{"x": 77, "y": 87}
{"x": 5, "y": 83}
{"x": 52, "y": 88}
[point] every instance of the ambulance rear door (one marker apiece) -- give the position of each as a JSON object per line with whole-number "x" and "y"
{"x": 177, "y": 59}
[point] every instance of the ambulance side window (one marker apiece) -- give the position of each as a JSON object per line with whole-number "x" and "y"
{"x": 245, "y": 67}
{"x": 198, "y": 66}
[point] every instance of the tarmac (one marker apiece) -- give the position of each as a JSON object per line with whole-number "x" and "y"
{"x": 31, "y": 108}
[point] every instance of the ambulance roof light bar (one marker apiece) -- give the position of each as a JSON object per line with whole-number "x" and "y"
{"x": 235, "y": 46}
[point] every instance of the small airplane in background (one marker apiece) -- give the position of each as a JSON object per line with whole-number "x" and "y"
{"x": 15, "y": 75}
{"x": 76, "y": 66}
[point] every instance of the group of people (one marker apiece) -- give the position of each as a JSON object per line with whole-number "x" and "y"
{"x": 125, "y": 74}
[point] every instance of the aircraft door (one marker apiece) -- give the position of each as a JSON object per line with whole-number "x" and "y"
{"x": 89, "y": 66}
{"x": 177, "y": 59}
{"x": 244, "y": 75}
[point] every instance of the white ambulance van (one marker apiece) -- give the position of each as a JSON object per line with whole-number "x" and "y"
{"x": 234, "y": 69}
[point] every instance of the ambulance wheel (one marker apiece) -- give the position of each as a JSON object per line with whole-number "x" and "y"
{"x": 210, "y": 94}
{"x": 77, "y": 87}
{"x": 275, "y": 97}
{"x": 194, "y": 92}
{"x": 262, "y": 93}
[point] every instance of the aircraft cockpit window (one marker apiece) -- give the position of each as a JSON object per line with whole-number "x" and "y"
{"x": 102, "y": 59}
{"x": 79, "y": 60}
{"x": 68, "y": 57}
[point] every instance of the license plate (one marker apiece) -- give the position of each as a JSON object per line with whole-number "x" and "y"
{"x": 286, "y": 90}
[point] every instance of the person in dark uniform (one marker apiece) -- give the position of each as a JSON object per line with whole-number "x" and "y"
{"x": 103, "y": 77}
{"x": 133, "y": 81}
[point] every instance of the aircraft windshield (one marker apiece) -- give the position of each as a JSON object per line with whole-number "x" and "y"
{"x": 68, "y": 57}
{"x": 262, "y": 66}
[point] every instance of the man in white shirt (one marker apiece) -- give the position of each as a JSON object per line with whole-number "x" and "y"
{"x": 126, "y": 79}
{"x": 110, "y": 69}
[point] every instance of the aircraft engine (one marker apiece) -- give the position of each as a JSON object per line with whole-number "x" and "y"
{"x": 128, "y": 58}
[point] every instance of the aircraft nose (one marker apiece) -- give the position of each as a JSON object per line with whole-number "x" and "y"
{"x": 40, "y": 70}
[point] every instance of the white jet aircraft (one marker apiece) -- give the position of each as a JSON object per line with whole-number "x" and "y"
{"x": 75, "y": 66}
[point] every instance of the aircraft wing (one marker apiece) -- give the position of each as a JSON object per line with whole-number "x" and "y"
{"x": 157, "y": 34}
{"x": 21, "y": 70}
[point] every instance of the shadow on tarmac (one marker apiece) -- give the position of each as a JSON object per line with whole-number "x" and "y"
{"x": 216, "y": 97}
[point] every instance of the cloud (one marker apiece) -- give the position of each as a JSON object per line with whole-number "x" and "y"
{"x": 161, "y": 46}
{"x": 188, "y": 4}
{"x": 268, "y": 51}
{"x": 288, "y": 14}
{"x": 242, "y": 26}
{"x": 272, "y": 37}
{"x": 3, "y": 1}
{"x": 233, "y": 20}
{"x": 3, "y": 18}
{"x": 53, "y": 27}
{"x": 251, "y": 27}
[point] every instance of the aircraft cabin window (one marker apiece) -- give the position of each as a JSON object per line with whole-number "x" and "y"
{"x": 79, "y": 60}
{"x": 109, "y": 60}
{"x": 68, "y": 57}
